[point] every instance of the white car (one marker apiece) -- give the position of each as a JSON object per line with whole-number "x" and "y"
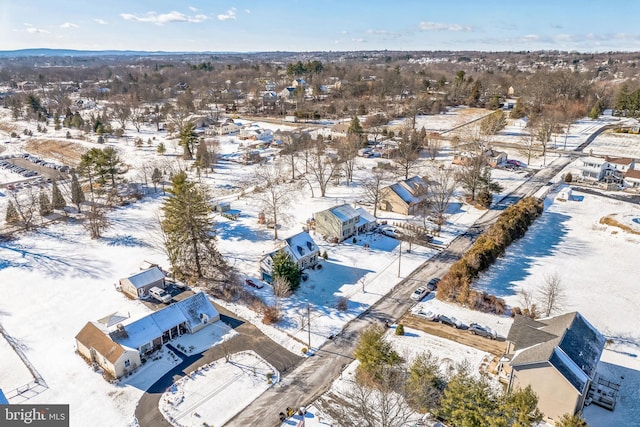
{"x": 419, "y": 293}
{"x": 160, "y": 295}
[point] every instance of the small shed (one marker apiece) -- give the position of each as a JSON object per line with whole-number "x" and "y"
{"x": 138, "y": 285}
{"x": 564, "y": 194}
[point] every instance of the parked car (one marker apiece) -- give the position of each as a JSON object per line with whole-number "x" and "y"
{"x": 483, "y": 331}
{"x": 389, "y": 231}
{"x": 432, "y": 285}
{"x": 451, "y": 321}
{"x": 427, "y": 315}
{"x": 419, "y": 293}
{"x": 254, "y": 284}
{"x": 160, "y": 294}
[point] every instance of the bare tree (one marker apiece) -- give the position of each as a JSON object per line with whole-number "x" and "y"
{"x": 27, "y": 206}
{"x": 380, "y": 406}
{"x": 281, "y": 287}
{"x": 96, "y": 219}
{"x": 408, "y": 152}
{"x": 529, "y": 308}
{"x": 442, "y": 185}
{"x": 372, "y": 186}
{"x": 322, "y": 166}
{"x": 552, "y": 294}
{"x": 121, "y": 112}
{"x": 274, "y": 194}
{"x": 527, "y": 145}
{"x": 470, "y": 175}
{"x": 348, "y": 152}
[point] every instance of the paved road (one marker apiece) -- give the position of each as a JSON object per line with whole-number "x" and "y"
{"x": 313, "y": 377}
{"x": 249, "y": 338}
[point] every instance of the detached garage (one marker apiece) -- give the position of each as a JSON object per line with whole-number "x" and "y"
{"x": 138, "y": 285}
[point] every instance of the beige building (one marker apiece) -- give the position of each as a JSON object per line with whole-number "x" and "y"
{"x": 405, "y": 197}
{"x": 95, "y": 345}
{"x": 557, "y": 357}
{"x": 138, "y": 285}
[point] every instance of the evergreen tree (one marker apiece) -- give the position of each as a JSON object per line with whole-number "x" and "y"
{"x": 424, "y": 385}
{"x": 188, "y": 232}
{"x": 77, "y": 195}
{"x": 285, "y": 268}
{"x": 596, "y": 110}
{"x": 57, "y": 199}
{"x": 375, "y": 353}
{"x": 45, "y": 204}
{"x": 520, "y": 408}
{"x": 12, "y": 215}
{"x": 161, "y": 149}
{"x": 571, "y": 421}
{"x": 469, "y": 401}
{"x": 355, "y": 128}
{"x": 188, "y": 138}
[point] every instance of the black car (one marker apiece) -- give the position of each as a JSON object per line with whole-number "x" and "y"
{"x": 433, "y": 284}
{"x": 483, "y": 331}
{"x": 451, "y": 321}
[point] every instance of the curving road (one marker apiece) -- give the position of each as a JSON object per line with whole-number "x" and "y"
{"x": 249, "y": 338}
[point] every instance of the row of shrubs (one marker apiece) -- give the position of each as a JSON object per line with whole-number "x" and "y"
{"x": 511, "y": 225}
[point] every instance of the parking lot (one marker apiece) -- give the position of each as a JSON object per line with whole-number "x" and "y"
{"x": 496, "y": 347}
{"x": 33, "y": 171}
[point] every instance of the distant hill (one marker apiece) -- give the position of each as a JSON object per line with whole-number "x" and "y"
{"x": 44, "y": 52}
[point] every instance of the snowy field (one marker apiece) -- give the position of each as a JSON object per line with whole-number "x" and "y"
{"x": 615, "y": 145}
{"x": 597, "y": 266}
{"x": 56, "y": 279}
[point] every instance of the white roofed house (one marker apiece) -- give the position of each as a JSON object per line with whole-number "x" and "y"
{"x": 608, "y": 169}
{"x": 300, "y": 248}
{"x": 138, "y": 285}
{"x": 405, "y": 197}
{"x": 366, "y": 222}
{"x": 337, "y": 223}
{"x": 557, "y": 357}
{"x": 118, "y": 347}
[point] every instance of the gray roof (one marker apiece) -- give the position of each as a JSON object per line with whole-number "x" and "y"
{"x": 569, "y": 342}
{"x": 146, "y": 277}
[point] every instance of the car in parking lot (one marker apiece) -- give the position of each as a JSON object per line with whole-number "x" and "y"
{"x": 389, "y": 231}
{"x": 427, "y": 315}
{"x": 419, "y": 293}
{"x": 483, "y": 331}
{"x": 432, "y": 285}
{"x": 451, "y": 321}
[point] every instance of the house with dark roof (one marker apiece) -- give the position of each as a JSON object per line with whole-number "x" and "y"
{"x": 632, "y": 178}
{"x": 405, "y": 197}
{"x": 300, "y": 248}
{"x": 557, "y": 357}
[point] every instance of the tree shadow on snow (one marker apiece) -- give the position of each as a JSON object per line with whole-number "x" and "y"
{"x": 126, "y": 240}
{"x": 543, "y": 238}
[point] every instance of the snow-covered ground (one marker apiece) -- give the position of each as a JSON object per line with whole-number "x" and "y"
{"x": 195, "y": 400}
{"x": 56, "y": 279}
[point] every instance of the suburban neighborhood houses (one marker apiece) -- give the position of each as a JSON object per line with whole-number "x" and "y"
{"x": 380, "y": 238}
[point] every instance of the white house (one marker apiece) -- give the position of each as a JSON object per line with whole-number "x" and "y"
{"x": 610, "y": 169}
{"x": 337, "y": 223}
{"x": 366, "y": 222}
{"x": 138, "y": 285}
{"x": 118, "y": 347}
{"x": 300, "y": 248}
{"x": 632, "y": 178}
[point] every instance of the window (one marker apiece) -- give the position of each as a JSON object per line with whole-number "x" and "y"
{"x": 127, "y": 363}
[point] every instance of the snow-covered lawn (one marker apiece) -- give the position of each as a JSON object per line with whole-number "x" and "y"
{"x": 215, "y": 392}
{"x": 615, "y": 145}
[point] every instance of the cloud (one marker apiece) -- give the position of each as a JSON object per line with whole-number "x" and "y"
{"x": 231, "y": 14}
{"x": 164, "y": 18}
{"x": 193, "y": 9}
{"x": 439, "y": 26}
{"x": 247, "y": 11}
{"x": 69, "y": 25}
{"x": 33, "y": 30}
{"x": 100, "y": 21}
{"x": 384, "y": 34}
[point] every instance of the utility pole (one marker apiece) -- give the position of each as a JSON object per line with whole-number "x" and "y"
{"x": 399, "y": 257}
{"x": 308, "y": 327}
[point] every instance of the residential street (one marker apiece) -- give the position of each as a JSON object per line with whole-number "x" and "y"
{"x": 302, "y": 383}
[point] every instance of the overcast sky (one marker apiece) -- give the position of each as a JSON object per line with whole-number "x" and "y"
{"x": 337, "y": 25}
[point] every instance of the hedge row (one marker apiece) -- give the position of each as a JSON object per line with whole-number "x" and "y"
{"x": 512, "y": 224}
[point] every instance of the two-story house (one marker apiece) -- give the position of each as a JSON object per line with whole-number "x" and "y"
{"x": 557, "y": 357}
{"x": 337, "y": 223}
{"x": 300, "y": 248}
{"x": 405, "y": 197}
